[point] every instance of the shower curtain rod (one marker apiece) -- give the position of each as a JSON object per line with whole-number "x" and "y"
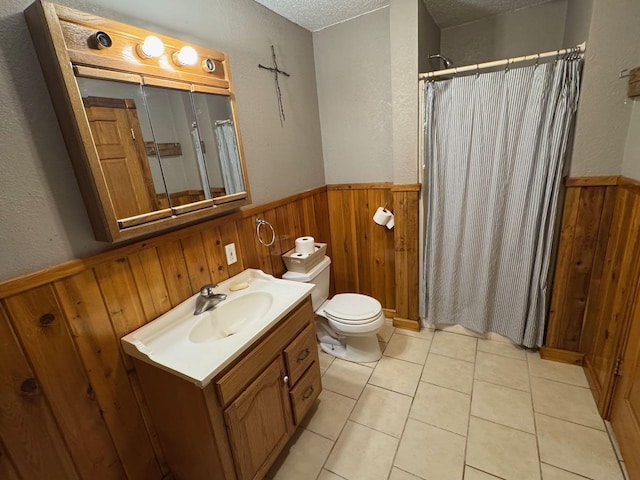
{"x": 501, "y": 63}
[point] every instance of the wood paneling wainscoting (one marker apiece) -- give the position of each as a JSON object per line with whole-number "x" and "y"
{"x": 596, "y": 279}
{"x": 371, "y": 259}
{"x": 71, "y": 402}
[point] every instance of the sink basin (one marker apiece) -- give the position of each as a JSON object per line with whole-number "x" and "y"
{"x": 230, "y": 317}
{"x": 198, "y": 347}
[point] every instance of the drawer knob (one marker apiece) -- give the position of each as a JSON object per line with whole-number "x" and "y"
{"x": 308, "y": 393}
{"x": 285, "y": 379}
{"x": 304, "y": 354}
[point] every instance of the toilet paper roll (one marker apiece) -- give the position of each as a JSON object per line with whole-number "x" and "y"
{"x": 305, "y": 245}
{"x": 382, "y": 216}
{"x": 299, "y": 255}
{"x": 391, "y": 223}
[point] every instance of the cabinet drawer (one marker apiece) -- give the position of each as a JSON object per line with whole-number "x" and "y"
{"x": 232, "y": 383}
{"x": 305, "y": 392}
{"x": 301, "y": 353}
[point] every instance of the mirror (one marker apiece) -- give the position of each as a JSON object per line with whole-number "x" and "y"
{"x": 120, "y": 126}
{"x": 153, "y": 133}
{"x": 161, "y": 147}
{"x": 218, "y": 135}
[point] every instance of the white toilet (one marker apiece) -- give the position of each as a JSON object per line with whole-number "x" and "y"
{"x": 347, "y": 324}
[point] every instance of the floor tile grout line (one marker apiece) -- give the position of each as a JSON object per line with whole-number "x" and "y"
{"x": 406, "y": 420}
{"x": 502, "y": 385}
{"x": 502, "y": 425}
{"x": 533, "y": 412}
{"x": 439, "y": 427}
{"x": 466, "y": 441}
{"x": 483, "y": 471}
{"x": 577, "y": 424}
{"x": 561, "y": 383}
{"x": 565, "y": 470}
{"x": 343, "y": 426}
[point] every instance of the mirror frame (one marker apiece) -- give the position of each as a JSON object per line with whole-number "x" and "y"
{"x": 63, "y": 40}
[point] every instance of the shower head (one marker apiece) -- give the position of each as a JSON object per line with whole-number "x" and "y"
{"x": 448, "y": 63}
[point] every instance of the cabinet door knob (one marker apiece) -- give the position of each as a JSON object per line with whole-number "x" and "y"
{"x": 285, "y": 379}
{"x": 304, "y": 354}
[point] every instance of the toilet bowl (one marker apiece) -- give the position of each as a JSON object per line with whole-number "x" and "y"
{"x": 346, "y": 325}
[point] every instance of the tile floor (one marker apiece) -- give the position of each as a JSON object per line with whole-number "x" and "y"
{"x": 446, "y": 405}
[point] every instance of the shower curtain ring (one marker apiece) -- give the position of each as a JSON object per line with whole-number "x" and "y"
{"x": 477, "y": 70}
{"x": 506, "y": 68}
{"x": 537, "y": 61}
{"x": 455, "y": 72}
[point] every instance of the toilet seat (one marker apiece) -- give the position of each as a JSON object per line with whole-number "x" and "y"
{"x": 353, "y": 309}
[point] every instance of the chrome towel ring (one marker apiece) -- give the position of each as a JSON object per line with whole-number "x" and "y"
{"x": 261, "y": 223}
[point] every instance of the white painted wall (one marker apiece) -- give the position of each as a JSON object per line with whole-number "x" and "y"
{"x": 577, "y": 22}
{"x": 529, "y": 30}
{"x": 631, "y": 160}
{"x": 43, "y": 220}
{"x": 604, "y": 112}
{"x": 403, "y": 25}
{"x": 428, "y": 39}
{"x": 354, "y": 96}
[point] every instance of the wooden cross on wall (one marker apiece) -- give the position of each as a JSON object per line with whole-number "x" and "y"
{"x": 276, "y": 71}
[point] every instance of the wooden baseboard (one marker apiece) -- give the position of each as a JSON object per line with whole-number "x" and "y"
{"x": 389, "y": 312}
{"x": 406, "y": 324}
{"x": 564, "y": 356}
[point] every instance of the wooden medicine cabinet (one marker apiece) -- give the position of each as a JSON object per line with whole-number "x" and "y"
{"x": 150, "y": 122}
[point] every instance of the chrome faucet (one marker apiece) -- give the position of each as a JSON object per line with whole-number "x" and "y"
{"x": 208, "y": 299}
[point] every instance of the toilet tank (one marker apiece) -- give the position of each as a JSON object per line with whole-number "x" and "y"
{"x": 319, "y": 276}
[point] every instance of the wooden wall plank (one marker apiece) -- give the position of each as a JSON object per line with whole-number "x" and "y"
{"x": 406, "y": 254}
{"x": 42, "y": 330}
{"x": 85, "y": 310}
{"x": 611, "y": 309}
{"x": 215, "y": 255}
{"x": 589, "y": 324}
{"x": 343, "y": 240}
{"x": 27, "y": 427}
{"x": 120, "y": 294}
{"x": 381, "y": 256}
{"x": 7, "y": 468}
{"x": 563, "y": 267}
{"x": 196, "y": 262}
{"x": 362, "y": 220}
{"x": 152, "y": 289}
{"x": 174, "y": 270}
{"x": 249, "y": 242}
{"x": 275, "y": 250}
{"x": 309, "y": 224}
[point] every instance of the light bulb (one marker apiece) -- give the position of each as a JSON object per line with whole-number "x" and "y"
{"x": 186, "y": 56}
{"x": 152, "y": 47}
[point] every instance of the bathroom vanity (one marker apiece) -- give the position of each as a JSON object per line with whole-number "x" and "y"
{"x": 226, "y": 405}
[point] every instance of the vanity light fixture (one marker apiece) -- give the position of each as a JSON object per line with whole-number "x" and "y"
{"x": 208, "y": 65}
{"x": 152, "y": 47}
{"x": 100, "y": 40}
{"x": 185, "y": 56}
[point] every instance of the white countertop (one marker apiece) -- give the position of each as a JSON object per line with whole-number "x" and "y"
{"x": 164, "y": 342}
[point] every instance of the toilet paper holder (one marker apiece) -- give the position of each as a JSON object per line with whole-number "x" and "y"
{"x": 261, "y": 223}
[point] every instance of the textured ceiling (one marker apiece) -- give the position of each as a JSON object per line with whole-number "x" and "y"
{"x": 315, "y": 15}
{"x": 448, "y": 13}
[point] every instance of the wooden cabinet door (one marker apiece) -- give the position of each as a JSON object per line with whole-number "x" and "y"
{"x": 259, "y": 422}
{"x": 118, "y": 139}
{"x": 625, "y": 411}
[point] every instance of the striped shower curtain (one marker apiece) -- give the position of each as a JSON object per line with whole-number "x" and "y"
{"x": 495, "y": 146}
{"x": 229, "y": 157}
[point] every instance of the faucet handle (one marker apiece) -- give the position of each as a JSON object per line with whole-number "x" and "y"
{"x": 207, "y": 290}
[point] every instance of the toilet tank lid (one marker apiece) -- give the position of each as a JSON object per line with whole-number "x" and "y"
{"x": 310, "y": 275}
